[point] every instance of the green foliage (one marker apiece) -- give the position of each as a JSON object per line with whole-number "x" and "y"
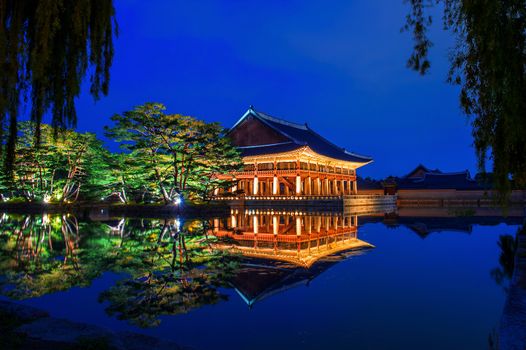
{"x": 176, "y": 154}
{"x": 489, "y": 63}
{"x": 46, "y": 49}
{"x": 62, "y": 168}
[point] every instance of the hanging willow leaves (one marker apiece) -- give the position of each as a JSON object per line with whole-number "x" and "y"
{"x": 46, "y": 49}
{"x": 489, "y": 64}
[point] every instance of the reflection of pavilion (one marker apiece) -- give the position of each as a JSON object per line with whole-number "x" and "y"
{"x": 294, "y": 237}
{"x": 282, "y": 249}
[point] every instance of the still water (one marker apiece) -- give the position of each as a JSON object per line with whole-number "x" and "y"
{"x": 261, "y": 279}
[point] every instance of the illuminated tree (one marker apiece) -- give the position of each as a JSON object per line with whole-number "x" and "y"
{"x": 180, "y": 153}
{"x": 61, "y": 168}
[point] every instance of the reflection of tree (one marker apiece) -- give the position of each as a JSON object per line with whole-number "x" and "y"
{"x": 42, "y": 254}
{"x": 172, "y": 269}
{"x": 508, "y": 247}
{"x": 177, "y": 272}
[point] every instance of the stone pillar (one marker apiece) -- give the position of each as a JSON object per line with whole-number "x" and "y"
{"x": 275, "y": 185}
{"x": 298, "y": 185}
{"x": 256, "y": 186}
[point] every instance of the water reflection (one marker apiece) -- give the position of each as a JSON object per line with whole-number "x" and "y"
{"x": 300, "y": 238}
{"x": 171, "y": 266}
{"x": 168, "y": 266}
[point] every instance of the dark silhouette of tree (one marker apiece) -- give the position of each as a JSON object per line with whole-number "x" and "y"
{"x": 46, "y": 49}
{"x": 488, "y": 62}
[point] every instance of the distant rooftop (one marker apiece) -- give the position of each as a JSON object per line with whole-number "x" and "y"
{"x": 424, "y": 178}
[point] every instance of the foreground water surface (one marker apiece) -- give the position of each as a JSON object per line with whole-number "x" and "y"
{"x": 263, "y": 278}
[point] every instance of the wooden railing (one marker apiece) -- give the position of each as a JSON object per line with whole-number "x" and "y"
{"x": 278, "y": 198}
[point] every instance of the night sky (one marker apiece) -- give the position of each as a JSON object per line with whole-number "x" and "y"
{"x": 339, "y": 66}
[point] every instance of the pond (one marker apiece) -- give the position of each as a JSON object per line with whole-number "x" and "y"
{"x": 263, "y": 278}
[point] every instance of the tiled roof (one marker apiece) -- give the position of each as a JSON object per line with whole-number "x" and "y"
{"x": 458, "y": 181}
{"x": 299, "y": 136}
{"x": 425, "y": 169}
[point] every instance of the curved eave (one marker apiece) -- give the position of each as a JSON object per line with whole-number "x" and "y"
{"x": 302, "y": 151}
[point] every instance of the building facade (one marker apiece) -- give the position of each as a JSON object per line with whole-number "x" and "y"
{"x": 282, "y": 158}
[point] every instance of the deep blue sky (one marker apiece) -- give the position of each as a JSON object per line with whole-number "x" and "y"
{"x": 337, "y": 65}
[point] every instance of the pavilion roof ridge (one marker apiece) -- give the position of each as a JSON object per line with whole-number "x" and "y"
{"x": 279, "y": 120}
{"x": 267, "y": 145}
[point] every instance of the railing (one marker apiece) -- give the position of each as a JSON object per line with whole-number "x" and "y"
{"x": 277, "y": 198}
{"x": 288, "y": 172}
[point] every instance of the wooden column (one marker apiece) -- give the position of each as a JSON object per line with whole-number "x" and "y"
{"x": 298, "y": 185}
{"x": 256, "y": 186}
{"x": 255, "y": 223}
{"x": 275, "y": 185}
{"x": 298, "y": 225}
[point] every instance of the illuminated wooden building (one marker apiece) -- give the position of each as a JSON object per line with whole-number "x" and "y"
{"x": 288, "y": 159}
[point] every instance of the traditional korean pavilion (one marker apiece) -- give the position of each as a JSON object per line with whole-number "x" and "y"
{"x": 282, "y": 158}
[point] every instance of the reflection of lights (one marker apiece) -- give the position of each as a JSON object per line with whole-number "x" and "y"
{"x": 178, "y": 224}
{"x": 177, "y": 201}
{"x": 46, "y": 198}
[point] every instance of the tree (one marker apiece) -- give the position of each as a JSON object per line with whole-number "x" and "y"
{"x": 59, "y": 168}
{"x": 180, "y": 153}
{"x": 130, "y": 178}
{"x": 46, "y": 49}
{"x": 489, "y": 63}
